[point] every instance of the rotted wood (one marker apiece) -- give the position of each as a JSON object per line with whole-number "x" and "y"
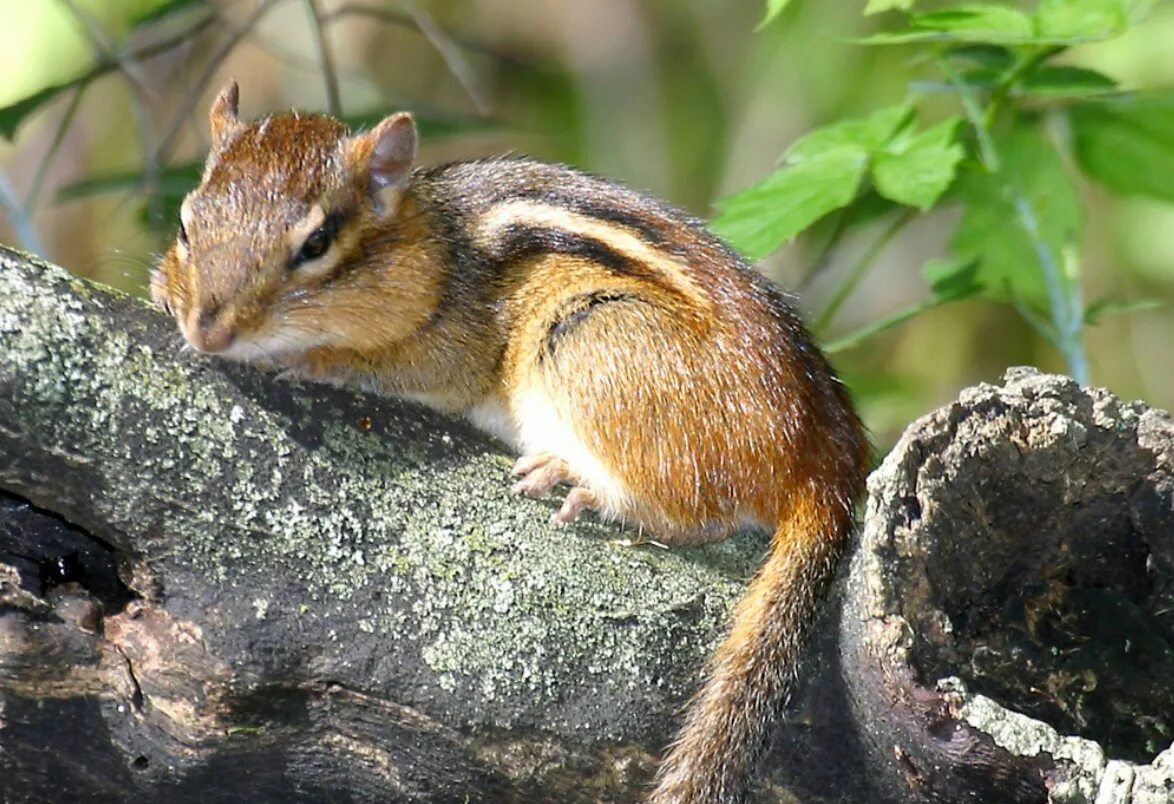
{"x": 1008, "y": 630}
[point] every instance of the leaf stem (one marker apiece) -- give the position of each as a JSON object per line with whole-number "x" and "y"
{"x": 1041, "y": 325}
{"x": 987, "y": 153}
{"x": 325, "y": 59}
{"x": 1003, "y": 91}
{"x": 22, "y": 225}
{"x": 38, "y": 183}
{"x": 452, "y": 56}
{"x": 1064, "y": 296}
{"x": 169, "y": 139}
{"x": 856, "y": 337}
{"x": 860, "y": 268}
{"x": 824, "y": 257}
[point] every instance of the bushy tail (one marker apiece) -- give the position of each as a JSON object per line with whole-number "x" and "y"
{"x": 751, "y": 675}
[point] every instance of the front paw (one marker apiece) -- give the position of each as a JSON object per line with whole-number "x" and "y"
{"x": 543, "y": 471}
{"x": 540, "y": 473}
{"x": 579, "y": 499}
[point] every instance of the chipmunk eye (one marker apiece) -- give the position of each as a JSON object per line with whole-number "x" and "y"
{"x": 316, "y": 244}
{"x": 319, "y": 240}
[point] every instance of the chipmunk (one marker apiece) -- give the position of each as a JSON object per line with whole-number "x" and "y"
{"x": 614, "y": 342}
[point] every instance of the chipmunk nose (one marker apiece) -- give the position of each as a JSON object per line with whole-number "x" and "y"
{"x": 210, "y": 332}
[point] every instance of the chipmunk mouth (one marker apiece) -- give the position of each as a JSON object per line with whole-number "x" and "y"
{"x": 216, "y": 330}
{"x": 282, "y": 347}
{"x": 209, "y": 328}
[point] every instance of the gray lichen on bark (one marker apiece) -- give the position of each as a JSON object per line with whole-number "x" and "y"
{"x": 1088, "y": 776}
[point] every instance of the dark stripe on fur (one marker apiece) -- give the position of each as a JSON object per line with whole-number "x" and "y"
{"x": 576, "y": 310}
{"x": 638, "y": 223}
{"x": 519, "y": 242}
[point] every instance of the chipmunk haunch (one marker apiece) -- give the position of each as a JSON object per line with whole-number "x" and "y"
{"x": 614, "y": 342}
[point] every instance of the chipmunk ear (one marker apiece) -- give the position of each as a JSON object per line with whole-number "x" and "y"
{"x": 223, "y": 115}
{"x": 385, "y": 155}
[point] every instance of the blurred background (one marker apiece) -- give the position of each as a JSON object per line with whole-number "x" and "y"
{"x": 681, "y": 98}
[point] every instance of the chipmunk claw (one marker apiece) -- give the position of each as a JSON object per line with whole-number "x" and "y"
{"x": 540, "y": 473}
{"x": 578, "y": 499}
{"x": 543, "y": 471}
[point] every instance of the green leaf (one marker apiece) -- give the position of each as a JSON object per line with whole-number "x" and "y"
{"x": 979, "y": 23}
{"x": 1080, "y": 20}
{"x": 12, "y": 115}
{"x": 981, "y": 79}
{"x": 175, "y": 179}
{"x": 1136, "y": 10}
{"x": 761, "y": 218}
{"x": 879, "y": 6}
{"x": 1066, "y": 81}
{"x": 908, "y": 167}
{"x": 174, "y": 182}
{"x": 866, "y": 208}
{"x": 917, "y": 170}
{"x": 868, "y": 134}
{"x": 821, "y": 173}
{"x": 1127, "y": 143}
{"x": 951, "y": 280}
{"x": 1105, "y": 307}
{"x": 165, "y": 9}
{"x": 993, "y": 232}
{"x": 773, "y": 9}
{"x": 990, "y": 57}
{"x": 899, "y": 38}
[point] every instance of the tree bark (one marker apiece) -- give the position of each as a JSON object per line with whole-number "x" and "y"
{"x": 219, "y": 586}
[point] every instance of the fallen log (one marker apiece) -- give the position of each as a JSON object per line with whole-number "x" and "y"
{"x": 219, "y": 586}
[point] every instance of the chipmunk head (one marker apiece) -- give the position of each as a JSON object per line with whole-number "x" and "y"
{"x": 268, "y": 242}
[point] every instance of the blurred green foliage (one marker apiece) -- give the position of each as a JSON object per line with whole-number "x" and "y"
{"x": 1025, "y": 118}
{"x": 970, "y": 171}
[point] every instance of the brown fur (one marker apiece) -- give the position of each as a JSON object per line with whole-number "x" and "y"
{"x": 573, "y": 317}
